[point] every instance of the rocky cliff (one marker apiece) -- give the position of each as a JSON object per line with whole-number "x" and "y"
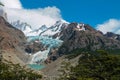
{"x": 12, "y": 42}
{"x": 112, "y": 35}
{"x": 88, "y": 39}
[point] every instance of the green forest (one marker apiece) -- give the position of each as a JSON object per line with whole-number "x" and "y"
{"x": 10, "y": 71}
{"x": 100, "y": 65}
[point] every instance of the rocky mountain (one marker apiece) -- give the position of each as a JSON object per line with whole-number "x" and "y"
{"x": 87, "y": 39}
{"x": 112, "y": 35}
{"x": 23, "y": 26}
{"x": 12, "y": 42}
{"x": 67, "y": 36}
{"x": 71, "y": 36}
{"x": 42, "y": 30}
{"x": 55, "y": 29}
{"x": 40, "y": 41}
{"x": 10, "y": 34}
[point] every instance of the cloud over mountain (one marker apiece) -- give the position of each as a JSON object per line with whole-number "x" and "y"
{"x": 34, "y": 17}
{"x": 12, "y": 3}
{"x": 112, "y": 25}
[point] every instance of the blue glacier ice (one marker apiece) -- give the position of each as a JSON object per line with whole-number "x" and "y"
{"x": 41, "y": 56}
{"x": 47, "y": 41}
{"x": 50, "y": 42}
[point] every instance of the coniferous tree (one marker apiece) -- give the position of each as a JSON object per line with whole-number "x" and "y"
{"x": 96, "y": 66}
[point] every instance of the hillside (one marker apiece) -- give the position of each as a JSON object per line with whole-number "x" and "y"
{"x": 88, "y": 39}
{"x": 12, "y": 42}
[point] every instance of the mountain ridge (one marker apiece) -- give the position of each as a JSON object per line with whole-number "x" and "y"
{"x": 74, "y": 36}
{"x": 12, "y": 42}
{"x": 90, "y": 39}
{"x": 67, "y": 36}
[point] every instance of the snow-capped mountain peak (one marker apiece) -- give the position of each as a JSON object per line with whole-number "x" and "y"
{"x": 41, "y": 31}
{"x": 80, "y": 27}
{"x": 38, "y": 31}
{"x": 44, "y": 35}
{"x": 20, "y": 25}
{"x": 23, "y": 26}
{"x": 56, "y": 28}
{"x": 43, "y": 28}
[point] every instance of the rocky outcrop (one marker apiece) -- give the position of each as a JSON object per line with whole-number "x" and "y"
{"x": 90, "y": 39}
{"x": 12, "y": 37}
{"x": 34, "y": 46}
{"x": 12, "y": 41}
{"x": 112, "y": 36}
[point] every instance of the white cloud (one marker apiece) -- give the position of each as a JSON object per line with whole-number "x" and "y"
{"x": 12, "y": 3}
{"x": 112, "y": 25}
{"x": 34, "y": 17}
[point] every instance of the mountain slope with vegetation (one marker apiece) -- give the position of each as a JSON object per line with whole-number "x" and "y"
{"x": 89, "y": 40}
{"x": 10, "y": 71}
{"x": 99, "y": 65}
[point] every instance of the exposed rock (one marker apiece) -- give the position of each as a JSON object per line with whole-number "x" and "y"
{"x": 13, "y": 40}
{"x": 34, "y": 46}
{"x": 90, "y": 39}
{"x": 12, "y": 36}
{"x": 112, "y": 36}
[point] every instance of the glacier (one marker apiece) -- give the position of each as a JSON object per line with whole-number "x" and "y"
{"x": 49, "y": 42}
{"x": 44, "y": 35}
{"x": 39, "y": 57}
{"x": 46, "y": 41}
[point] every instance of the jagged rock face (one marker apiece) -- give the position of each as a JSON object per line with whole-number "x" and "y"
{"x": 90, "y": 39}
{"x": 72, "y": 31}
{"x": 112, "y": 36}
{"x": 12, "y": 41}
{"x": 23, "y": 26}
{"x": 33, "y": 47}
{"x": 12, "y": 37}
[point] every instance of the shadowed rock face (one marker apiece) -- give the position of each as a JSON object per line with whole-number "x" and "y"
{"x": 90, "y": 39}
{"x": 12, "y": 40}
{"x": 112, "y": 36}
{"x": 33, "y": 47}
{"x": 12, "y": 37}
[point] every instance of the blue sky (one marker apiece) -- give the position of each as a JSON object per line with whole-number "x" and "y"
{"x": 92, "y": 12}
